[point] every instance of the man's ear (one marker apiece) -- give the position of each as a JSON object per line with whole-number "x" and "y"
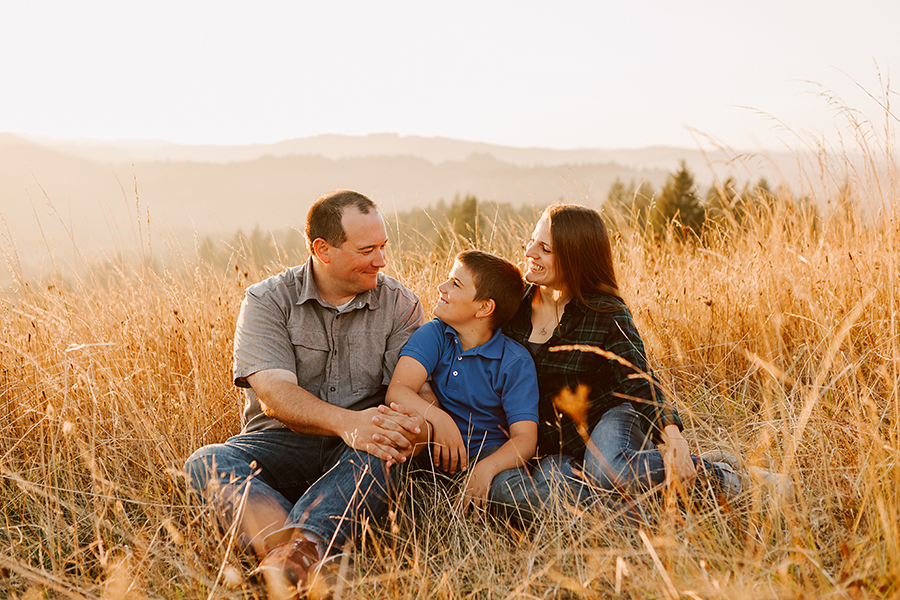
{"x": 321, "y": 250}
{"x": 486, "y": 309}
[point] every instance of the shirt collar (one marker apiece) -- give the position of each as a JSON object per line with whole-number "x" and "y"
{"x": 493, "y": 348}
{"x": 307, "y": 290}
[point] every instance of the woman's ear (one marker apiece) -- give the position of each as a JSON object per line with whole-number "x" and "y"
{"x": 486, "y": 309}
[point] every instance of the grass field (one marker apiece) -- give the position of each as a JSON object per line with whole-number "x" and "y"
{"x": 780, "y": 339}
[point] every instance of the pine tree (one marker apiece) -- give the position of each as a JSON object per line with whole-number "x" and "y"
{"x": 679, "y": 203}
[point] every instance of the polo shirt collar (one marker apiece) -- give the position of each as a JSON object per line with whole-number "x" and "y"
{"x": 493, "y": 348}
{"x": 307, "y": 290}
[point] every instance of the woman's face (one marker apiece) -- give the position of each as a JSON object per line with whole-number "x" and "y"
{"x": 541, "y": 266}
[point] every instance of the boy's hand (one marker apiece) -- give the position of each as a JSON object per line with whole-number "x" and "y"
{"x": 478, "y": 486}
{"x": 449, "y": 449}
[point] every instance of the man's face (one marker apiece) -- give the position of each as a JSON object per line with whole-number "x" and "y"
{"x": 354, "y": 265}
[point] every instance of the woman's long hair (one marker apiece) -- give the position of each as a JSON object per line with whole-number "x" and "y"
{"x": 582, "y": 251}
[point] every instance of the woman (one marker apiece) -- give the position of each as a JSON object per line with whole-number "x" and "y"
{"x": 573, "y": 298}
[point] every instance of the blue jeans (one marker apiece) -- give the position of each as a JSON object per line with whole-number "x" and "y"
{"x": 626, "y": 462}
{"x": 279, "y": 482}
{"x": 514, "y": 493}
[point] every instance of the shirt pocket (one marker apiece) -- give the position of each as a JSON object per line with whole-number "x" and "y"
{"x": 366, "y": 352}
{"x": 311, "y": 353}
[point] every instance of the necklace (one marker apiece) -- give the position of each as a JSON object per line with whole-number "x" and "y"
{"x": 554, "y": 318}
{"x": 555, "y": 321}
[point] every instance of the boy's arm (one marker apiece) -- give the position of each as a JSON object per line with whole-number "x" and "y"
{"x": 449, "y": 449}
{"x": 517, "y": 450}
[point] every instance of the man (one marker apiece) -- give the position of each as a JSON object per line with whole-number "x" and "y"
{"x": 314, "y": 348}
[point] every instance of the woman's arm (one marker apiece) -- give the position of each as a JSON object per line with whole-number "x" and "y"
{"x": 514, "y": 453}
{"x": 636, "y": 381}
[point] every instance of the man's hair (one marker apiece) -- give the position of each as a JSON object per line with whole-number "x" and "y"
{"x": 495, "y": 279}
{"x": 324, "y": 218}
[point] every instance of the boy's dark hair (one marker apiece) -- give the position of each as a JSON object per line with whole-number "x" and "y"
{"x": 324, "y": 217}
{"x": 495, "y": 279}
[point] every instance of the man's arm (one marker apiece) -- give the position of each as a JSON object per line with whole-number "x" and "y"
{"x": 282, "y": 398}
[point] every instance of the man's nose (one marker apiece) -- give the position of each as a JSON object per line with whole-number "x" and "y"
{"x": 380, "y": 259}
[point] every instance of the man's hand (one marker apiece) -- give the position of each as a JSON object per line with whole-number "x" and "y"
{"x": 398, "y": 423}
{"x": 364, "y": 431}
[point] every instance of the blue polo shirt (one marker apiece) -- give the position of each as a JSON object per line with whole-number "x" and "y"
{"x": 484, "y": 388}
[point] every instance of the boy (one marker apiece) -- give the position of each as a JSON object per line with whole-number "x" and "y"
{"x": 485, "y": 382}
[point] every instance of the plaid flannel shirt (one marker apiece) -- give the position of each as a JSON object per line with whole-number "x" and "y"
{"x": 611, "y": 328}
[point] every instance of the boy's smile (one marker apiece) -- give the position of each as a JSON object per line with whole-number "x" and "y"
{"x": 456, "y": 305}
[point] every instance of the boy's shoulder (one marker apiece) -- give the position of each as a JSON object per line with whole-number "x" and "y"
{"x": 435, "y": 329}
{"x": 514, "y": 349}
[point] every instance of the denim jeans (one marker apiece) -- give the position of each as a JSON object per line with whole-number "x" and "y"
{"x": 280, "y": 482}
{"x": 513, "y": 494}
{"x": 626, "y": 462}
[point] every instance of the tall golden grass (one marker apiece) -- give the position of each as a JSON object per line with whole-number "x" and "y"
{"x": 778, "y": 338}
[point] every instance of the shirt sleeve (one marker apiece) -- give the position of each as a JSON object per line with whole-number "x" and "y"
{"x": 425, "y": 345}
{"x": 408, "y": 317}
{"x": 261, "y": 338}
{"x": 638, "y": 384}
{"x": 519, "y": 396}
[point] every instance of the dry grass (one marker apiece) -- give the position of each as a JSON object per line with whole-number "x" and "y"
{"x": 779, "y": 338}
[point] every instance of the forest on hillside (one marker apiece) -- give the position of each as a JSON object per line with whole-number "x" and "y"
{"x": 680, "y": 208}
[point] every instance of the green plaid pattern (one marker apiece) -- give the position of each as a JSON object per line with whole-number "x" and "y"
{"x": 610, "y": 328}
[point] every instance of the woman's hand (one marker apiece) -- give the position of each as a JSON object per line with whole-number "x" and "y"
{"x": 680, "y": 469}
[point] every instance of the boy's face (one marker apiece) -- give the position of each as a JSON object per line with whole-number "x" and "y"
{"x": 457, "y": 305}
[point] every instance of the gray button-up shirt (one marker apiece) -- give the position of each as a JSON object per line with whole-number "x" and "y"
{"x": 343, "y": 358}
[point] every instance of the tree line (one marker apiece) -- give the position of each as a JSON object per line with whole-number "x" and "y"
{"x": 678, "y": 209}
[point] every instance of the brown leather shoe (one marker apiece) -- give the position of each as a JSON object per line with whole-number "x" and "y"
{"x": 287, "y": 565}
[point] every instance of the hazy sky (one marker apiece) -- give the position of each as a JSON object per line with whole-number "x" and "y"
{"x": 554, "y": 74}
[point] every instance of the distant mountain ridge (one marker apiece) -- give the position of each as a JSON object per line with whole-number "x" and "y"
{"x": 436, "y": 150}
{"x": 85, "y": 195}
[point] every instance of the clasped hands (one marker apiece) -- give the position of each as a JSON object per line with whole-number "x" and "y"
{"x": 392, "y": 433}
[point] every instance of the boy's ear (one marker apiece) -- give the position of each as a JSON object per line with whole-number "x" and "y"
{"x": 486, "y": 309}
